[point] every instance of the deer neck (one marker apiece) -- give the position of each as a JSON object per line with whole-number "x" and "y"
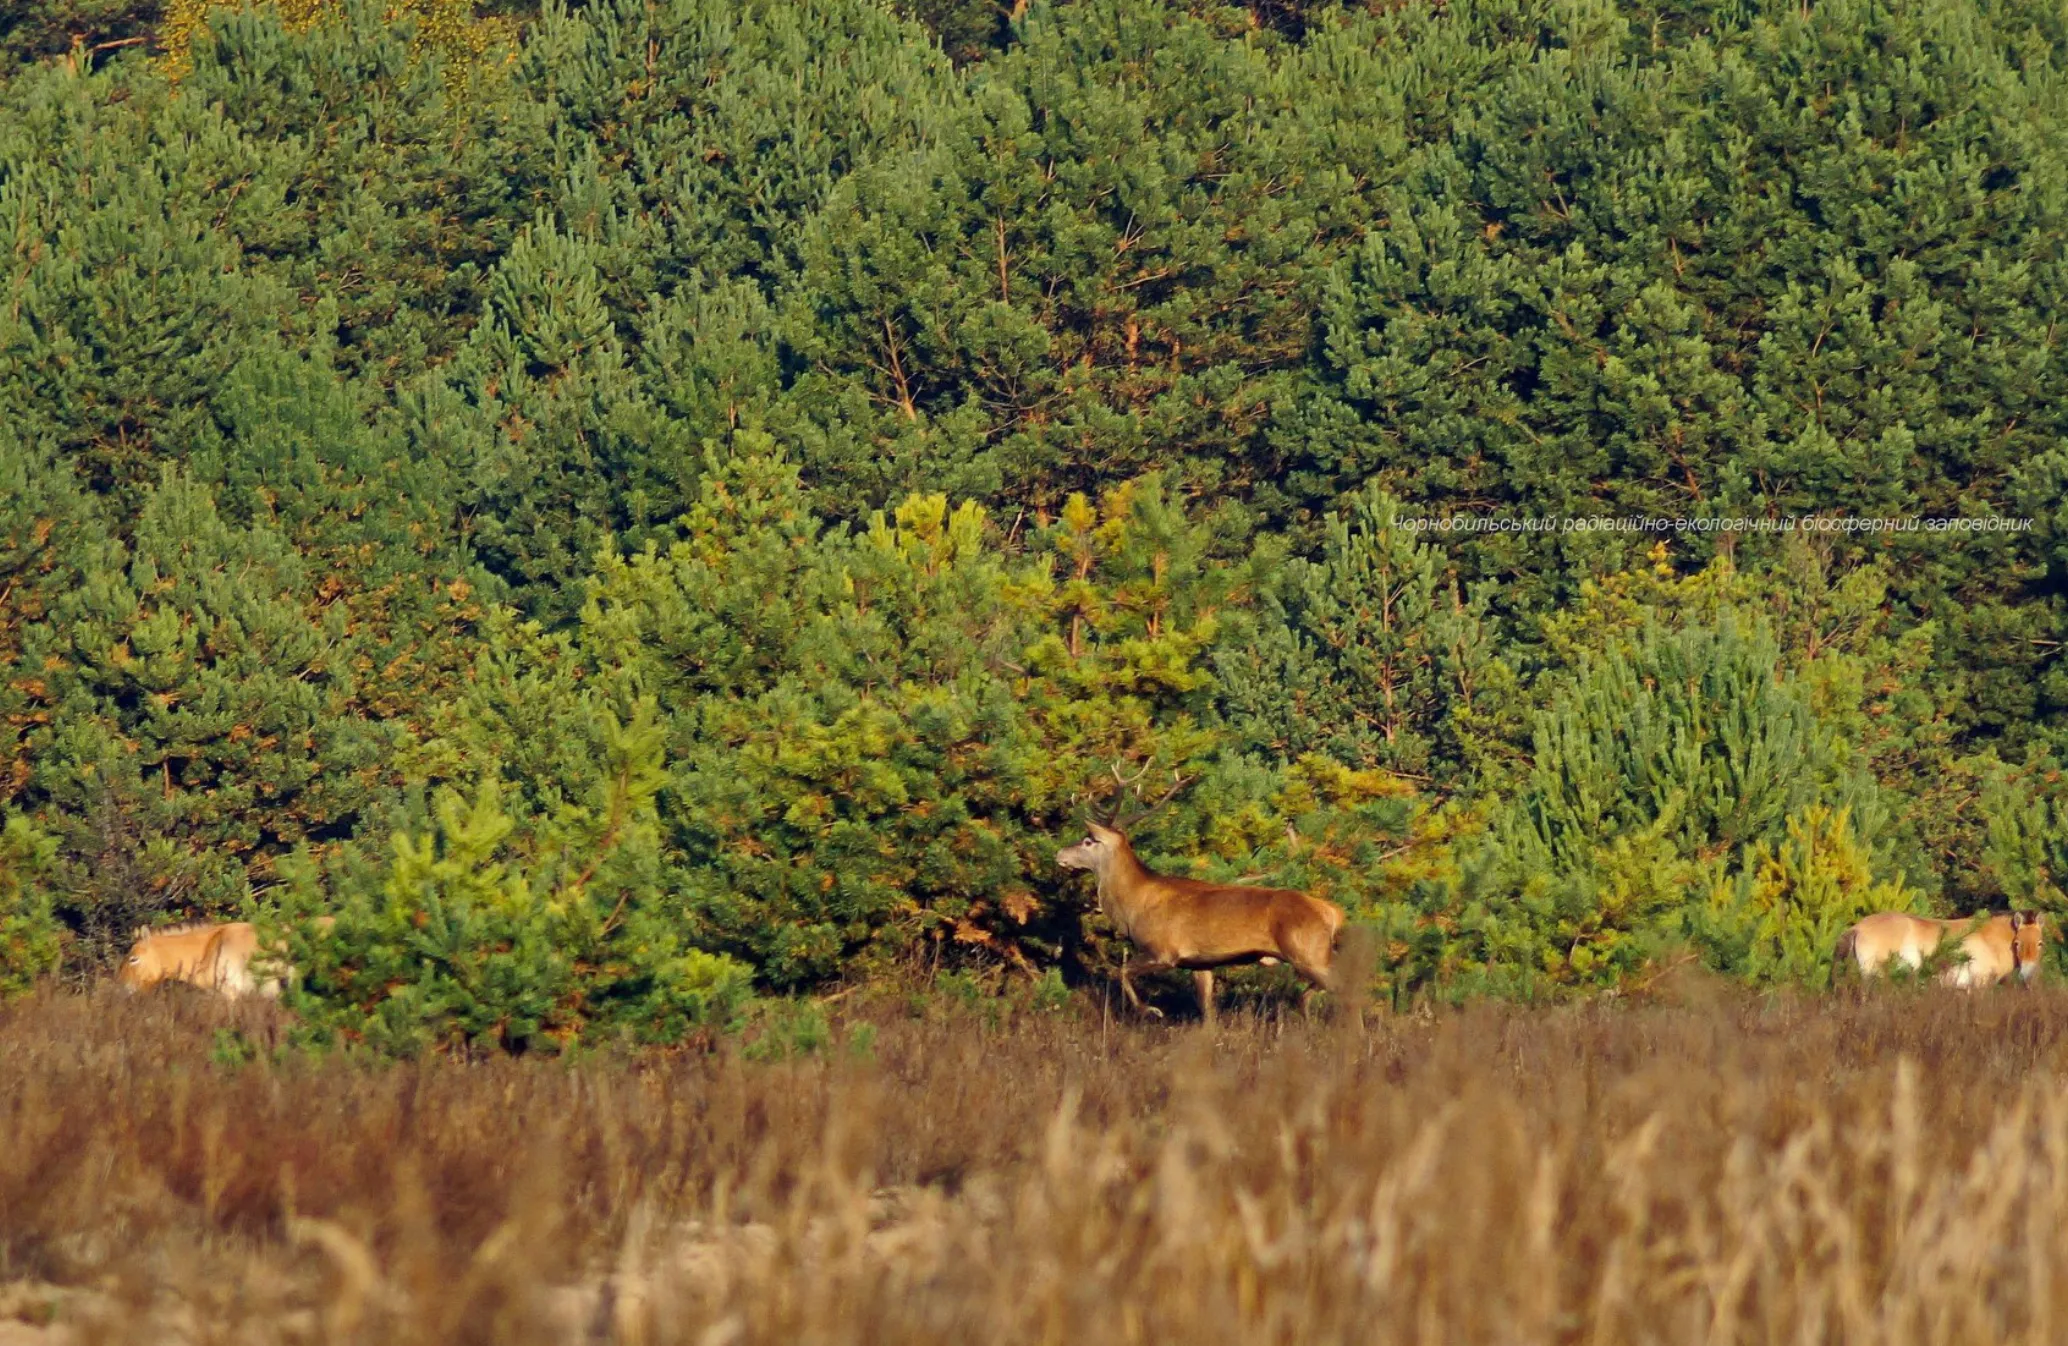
{"x": 1124, "y": 888}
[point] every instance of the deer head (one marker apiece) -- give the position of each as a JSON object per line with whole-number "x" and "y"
{"x": 2028, "y": 943}
{"x": 1103, "y": 840}
{"x": 1095, "y": 852}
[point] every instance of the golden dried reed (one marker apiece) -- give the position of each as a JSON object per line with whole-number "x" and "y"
{"x": 1886, "y": 1170}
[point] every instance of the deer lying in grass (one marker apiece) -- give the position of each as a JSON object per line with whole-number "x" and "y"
{"x": 1201, "y": 926}
{"x": 1990, "y": 947}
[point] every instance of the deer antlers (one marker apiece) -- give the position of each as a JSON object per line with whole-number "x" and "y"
{"x": 1133, "y": 785}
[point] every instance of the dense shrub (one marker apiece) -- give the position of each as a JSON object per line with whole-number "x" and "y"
{"x": 30, "y": 936}
{"x": 522, "y": 928}
{"x": 1780, "y": 916}
{"x": 1682, "y": 762}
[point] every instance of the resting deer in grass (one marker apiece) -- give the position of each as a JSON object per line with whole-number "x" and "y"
{"x": 1187, "y": 923}
{"x": 1989, "y": 949}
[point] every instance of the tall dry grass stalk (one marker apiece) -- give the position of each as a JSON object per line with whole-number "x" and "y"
{"x": 1887, "y": 1171}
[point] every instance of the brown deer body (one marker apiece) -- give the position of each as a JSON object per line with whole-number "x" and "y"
{"x": 1186, "y": 923}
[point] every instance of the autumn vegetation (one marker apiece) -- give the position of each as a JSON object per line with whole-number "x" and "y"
{"x": 1707, "y": 1166}
{"x": 623, "y": 535}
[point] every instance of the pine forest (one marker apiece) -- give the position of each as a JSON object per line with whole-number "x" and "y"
{"x": 649, "y": 512}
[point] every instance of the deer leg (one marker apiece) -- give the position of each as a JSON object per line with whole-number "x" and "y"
{"x": 1318, "y": 979}
{"x": 1127, "y": 990}
{"x": 1204, "y": 980}
{"x": 1127, "y": 987}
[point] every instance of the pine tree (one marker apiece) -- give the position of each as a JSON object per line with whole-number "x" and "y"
{"x": 1664, "y": 772}
{"x": 30, "y": 936}
{"x": 1773, "y": 272}
{"x": 1782, "y": 915}
{"x": 1704, "y": 723}
{"x": 1367, "y": 655}
{"x": 201, "y": 717}
{"x": 86, "y": 31}
{"x": 2026, "y": 854}
{"x": 519, "y": 926}
{"x": 879, "y": 731}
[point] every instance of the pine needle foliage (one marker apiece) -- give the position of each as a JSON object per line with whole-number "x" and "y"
{"x": 927, "y": 447}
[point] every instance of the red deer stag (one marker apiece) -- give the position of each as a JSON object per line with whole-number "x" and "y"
{"x": 1200, "y": 926}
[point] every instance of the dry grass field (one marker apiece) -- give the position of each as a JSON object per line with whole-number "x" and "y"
{"x": 1885, "y": 1170}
